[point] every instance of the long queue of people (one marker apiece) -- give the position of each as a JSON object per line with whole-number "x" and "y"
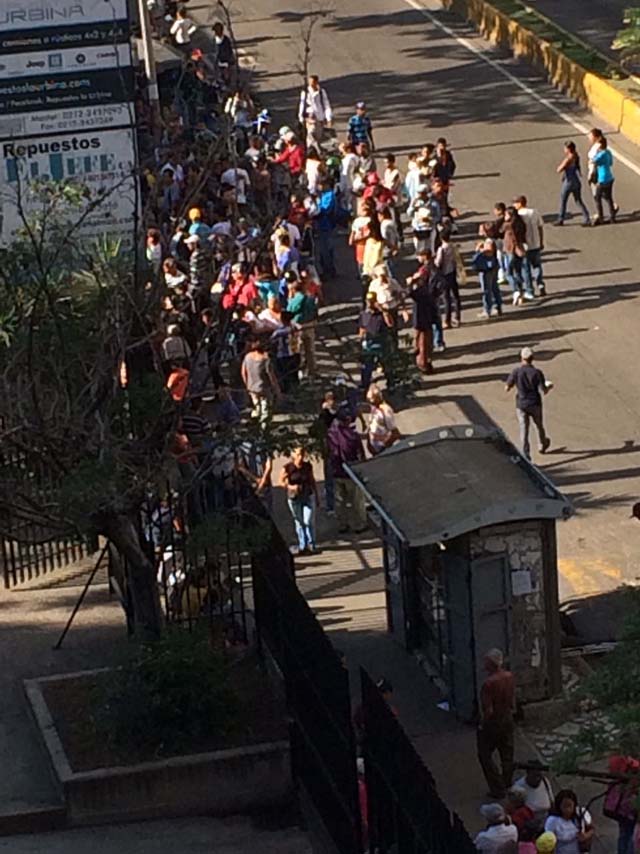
{"x": 245, "y": 223}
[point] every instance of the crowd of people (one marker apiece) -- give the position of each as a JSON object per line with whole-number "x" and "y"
{"x": 243, "y": 222}
{"x": 525, "y": 816}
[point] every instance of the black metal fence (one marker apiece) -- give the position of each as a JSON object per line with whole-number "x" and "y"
{"x": 30, "y": 544}
{"x": 199, "y": 542}
{"x": 318, "y": 699}
{"x": 405, "y": 813}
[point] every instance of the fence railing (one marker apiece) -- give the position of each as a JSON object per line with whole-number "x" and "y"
{"x": 30, "y": 544}
{"x": 318, "y": 699}
{"x": 405, "y": 812}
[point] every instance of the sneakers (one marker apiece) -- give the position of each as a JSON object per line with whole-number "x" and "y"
{"x": 439, "y": 349}
{"x": 496, "y": 311}
{"x": 545, "y": 445}
{"x": 517, "y": 298}
{"x": 529, "y": 297}
{"x": 542, "y": 291}
{"x": 484, "y": 316}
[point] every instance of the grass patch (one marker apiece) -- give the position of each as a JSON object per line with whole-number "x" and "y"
{"x": 574, "y": 49}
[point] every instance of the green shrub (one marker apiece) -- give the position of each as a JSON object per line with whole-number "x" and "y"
{"x": 172, "y": 696}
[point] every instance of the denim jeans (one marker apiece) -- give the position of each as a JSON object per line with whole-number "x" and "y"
{"x": 567, "y": 190}
{"x": 490, "y": 291}
{"x": 625, "y": 837}
{"x": 438, "y": 333}
{"x": 303, "y": 512}
{"x": 605, "y": 191}
{"x": 525, "y": 416}
{"x": 534, "y": 267}
{"x": 517, "y": 272}
{"x": 326, "y": 253}
{"x": 452, "y": 297}
{"x": 329, "y": 486}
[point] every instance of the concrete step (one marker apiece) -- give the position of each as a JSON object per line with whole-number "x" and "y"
{"x": 25, "y": 818}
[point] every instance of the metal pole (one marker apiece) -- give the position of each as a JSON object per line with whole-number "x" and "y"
{"x": 85, "y": 590}
{"x": 149, "y": 63}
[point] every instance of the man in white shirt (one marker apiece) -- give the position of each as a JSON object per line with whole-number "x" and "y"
{"x": 539, "y": 794}
{"x": 499, "y": 837}
{"x": 535, "y": 241}
{"x": 238, "y": 178}
{"x": 182, "y": 29}
{"x": 315, "y": 111}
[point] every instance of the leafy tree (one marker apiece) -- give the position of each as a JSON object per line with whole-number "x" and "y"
{"x": 73, "y": 311}
{"x": 82, "y": 397}
{"x": 614, "y": 689}
{"x": 627, "y": 40}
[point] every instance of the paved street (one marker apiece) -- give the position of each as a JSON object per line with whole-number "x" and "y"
{"x": 427, "y": 75}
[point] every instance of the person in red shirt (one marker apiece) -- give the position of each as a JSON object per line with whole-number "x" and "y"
{"x": 241, "y": 289}
{"x": 178, "y": 382}
{"x": 516, "y": 808}
{"x": 293, "y": 154}
{"x": 495, "y": 731}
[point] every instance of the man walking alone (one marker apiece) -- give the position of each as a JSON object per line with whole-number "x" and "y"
{"x": 495, "y": 731}
{"x": 530, "y": 385}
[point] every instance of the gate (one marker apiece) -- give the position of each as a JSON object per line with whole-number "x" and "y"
{"x": 318, "y": 699}
{"x": 405, "y": 812}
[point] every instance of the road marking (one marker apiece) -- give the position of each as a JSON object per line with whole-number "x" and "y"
{"x": 585, "y": 576}
{"x": 481, "y": 53}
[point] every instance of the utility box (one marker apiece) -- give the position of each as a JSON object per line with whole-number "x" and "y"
{"x": 469, "y": 539}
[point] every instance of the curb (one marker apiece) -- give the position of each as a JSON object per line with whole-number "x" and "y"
{"x": 607, "y": 99}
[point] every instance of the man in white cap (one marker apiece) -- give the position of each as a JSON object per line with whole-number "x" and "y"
{"x": 530, "y": 385}
{"x": 500, "y": 836}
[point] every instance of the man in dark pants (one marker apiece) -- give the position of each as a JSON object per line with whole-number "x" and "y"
{"x": 530, "y": 385}
{"x": 495, "y": 731}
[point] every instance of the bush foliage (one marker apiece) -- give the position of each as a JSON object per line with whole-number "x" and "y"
{"x": 169, "y": 697}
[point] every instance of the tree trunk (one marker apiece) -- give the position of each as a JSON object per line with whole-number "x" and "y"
{"x": 141, "y": 580}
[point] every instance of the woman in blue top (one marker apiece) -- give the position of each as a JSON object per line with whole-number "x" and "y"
{"x": 571, "y": 183}
{"x": 603, "y": 161}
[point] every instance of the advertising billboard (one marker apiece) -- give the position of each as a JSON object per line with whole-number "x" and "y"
{"x": 35, "y": 14}
{"x": 27, "y": 25}
{"x": 102, "y": 160}
{"x": 64, "y": 91}
{"x": 65, "y": 61}
{"x": 61, "y": 121}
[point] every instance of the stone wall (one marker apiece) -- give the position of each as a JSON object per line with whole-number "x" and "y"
{"x": 523, "y": 546}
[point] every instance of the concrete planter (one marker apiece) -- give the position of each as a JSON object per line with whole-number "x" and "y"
{"x": 223, "y": 782}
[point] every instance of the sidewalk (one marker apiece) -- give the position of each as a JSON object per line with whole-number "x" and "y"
{"x": 31, "y": 620}
{"x": 344, "y": 586}
{"x": 194, "y": 835}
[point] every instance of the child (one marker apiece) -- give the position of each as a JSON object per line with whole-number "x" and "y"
{"x": 527, "y": 837}
{"x": 485, "y": 261}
